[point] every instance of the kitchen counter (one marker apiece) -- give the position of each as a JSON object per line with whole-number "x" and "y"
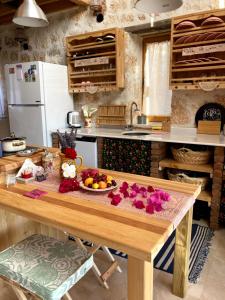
{"x": 12, "y": 163}
{"x": 177, "y": 135}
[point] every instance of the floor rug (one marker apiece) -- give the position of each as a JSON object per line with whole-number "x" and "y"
{"x": 200, "y": 243}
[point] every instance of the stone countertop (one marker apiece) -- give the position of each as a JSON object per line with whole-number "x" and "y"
{"x": 12, "y": 163}
{"x": 177, "y": 135}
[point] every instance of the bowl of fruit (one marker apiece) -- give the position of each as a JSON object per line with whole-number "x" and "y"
{"x": 93, "y": 180}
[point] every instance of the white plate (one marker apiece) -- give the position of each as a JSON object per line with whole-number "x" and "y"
{"x": 97, "y": 190}
{"x": 28, "y": 152}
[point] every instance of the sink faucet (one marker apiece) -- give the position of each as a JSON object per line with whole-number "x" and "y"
{"x": 131, "y": 114}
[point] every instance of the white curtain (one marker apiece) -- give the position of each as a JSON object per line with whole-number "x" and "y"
{"x": 2, "y": 101}
{"x": 157, "y": 96}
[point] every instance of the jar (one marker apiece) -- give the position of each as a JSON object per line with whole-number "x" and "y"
{"x": 47, "y": 162}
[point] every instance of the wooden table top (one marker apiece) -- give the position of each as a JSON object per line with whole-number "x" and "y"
{"x": 137, "y": 235}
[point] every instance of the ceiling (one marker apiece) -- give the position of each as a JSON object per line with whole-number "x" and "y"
{"x": 8, "y": 7}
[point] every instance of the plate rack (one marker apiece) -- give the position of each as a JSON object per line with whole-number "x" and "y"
{"x": 96, "y": 61}
{"x": 198, "y": 54}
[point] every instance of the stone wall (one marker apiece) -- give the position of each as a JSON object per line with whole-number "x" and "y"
{"x": 48, "y": 45}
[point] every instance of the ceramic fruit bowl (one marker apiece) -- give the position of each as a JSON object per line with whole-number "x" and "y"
{"x": 82, "y": 186}
{"x": 93, "y": 180}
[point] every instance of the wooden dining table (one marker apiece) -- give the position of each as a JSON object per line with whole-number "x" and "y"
{"x": 140, "y": 235}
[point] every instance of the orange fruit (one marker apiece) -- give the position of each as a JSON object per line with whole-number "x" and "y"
{"x": 88, "y": 181}
{"x": 102, "y": 185}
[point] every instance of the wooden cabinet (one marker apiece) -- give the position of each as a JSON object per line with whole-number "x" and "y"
{"x": 198, "y": 53}
{"x": 96, "y": 61}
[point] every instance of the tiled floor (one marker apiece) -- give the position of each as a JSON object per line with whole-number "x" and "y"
{"x": 211, "y": 285}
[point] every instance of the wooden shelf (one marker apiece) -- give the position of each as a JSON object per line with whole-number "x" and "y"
{"x": 105, "y": 53}
{"x": 94, "y": 83}
{"x": 71, "y": 48}
{"x": 96, "y": 46}
{"x": 199, "y": 69}
{"x": 187, "y": 32}
{"x": 200, "y": 43}
{"x": 199, "y": 64}
{"x": 205, "y": 196}
{"x": 173, "y": 164}
{"x": 90, "y": 75}
{"x": 93, "y": 72}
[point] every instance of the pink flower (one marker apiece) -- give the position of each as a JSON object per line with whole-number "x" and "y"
{"x": 158, "y": 207}
{"x": 124, "y": 189}
{"x": 143, "y": 192}
{"x": 133, "y": 194}
{"x": 139, "y": 204}
{"x": 111, "y": 194}
{"x": 150, "y": 209}
{"x": 135, "y": 188}
{"x": 116, "y": 199}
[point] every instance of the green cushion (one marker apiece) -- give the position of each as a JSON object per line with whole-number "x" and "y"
{"x": 45, "y": 266}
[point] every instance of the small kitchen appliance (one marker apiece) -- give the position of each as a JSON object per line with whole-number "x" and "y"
{"x": 13, "y": 144}
{"x": 73, "y": 119}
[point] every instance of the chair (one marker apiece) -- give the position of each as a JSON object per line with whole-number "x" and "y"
{"x": 114, "y": 266}
{"x": 44, "y": 267}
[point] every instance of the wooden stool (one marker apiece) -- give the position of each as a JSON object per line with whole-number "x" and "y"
{"x": 114, "y": 266}
{"x": 43, "y": 267}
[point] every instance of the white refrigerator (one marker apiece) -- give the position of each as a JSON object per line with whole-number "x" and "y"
{"x": 38, "y": 100}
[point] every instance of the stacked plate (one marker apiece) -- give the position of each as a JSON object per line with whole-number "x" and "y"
{"x": 199, "y": 60}
{"x": 208, "y": 36}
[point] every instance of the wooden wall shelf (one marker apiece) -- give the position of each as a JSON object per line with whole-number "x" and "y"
{"x": 204, "y": 68}
{"x": 94, "y": 61}
{"x": 173, "y": 164}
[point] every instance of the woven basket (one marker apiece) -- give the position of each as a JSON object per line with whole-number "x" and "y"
{"x": 188, "y": 156}
{"x": 182, "y": 177}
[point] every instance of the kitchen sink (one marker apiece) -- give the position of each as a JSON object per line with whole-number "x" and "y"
{"x": 136, "y": 133}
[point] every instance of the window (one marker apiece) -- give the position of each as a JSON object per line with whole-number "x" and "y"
{"x": 156, "y": 93}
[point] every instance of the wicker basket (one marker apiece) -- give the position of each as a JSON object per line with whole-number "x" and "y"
{"x": 188, "y": 156}
{"x": 182, "y": 177}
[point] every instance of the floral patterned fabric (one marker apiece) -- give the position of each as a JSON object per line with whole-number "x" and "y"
{"x": 128, "y": 156}
{"x": 45, "y": 266}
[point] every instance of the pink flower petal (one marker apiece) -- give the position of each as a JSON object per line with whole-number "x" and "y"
{"x": 116, "y": 200}
{"x": 135, "y": 188}
{"x": 111, "y": 194}
{"x": 133, "y": 194}
{"x": 139, "y": 204}
{"x": 150, "y": 209}
{"x": 158, "y": 207}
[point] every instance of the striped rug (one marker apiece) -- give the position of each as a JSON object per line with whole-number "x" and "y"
{"x": 200, "y": 243}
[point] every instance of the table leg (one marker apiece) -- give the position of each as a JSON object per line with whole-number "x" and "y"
{"x": 182, "y": 255}
{"x": 140, "y": 279}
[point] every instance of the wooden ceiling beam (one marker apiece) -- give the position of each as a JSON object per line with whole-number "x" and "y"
{"x": 81, "y": 2}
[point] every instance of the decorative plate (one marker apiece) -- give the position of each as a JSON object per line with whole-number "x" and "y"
{"x": 180, "y": 40}
{"x": 185, "y": 25}
{"x": 97, "y": 190}
{"x": 211, "y": 112}
{"x": 212, "y": 21}
{"x": 27, "y": 152}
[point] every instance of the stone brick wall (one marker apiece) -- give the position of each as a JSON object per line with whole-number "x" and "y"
{"x": 47, "y": 44}
{"x": 158, "y": 152}
{"x": 217, "y": 186}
